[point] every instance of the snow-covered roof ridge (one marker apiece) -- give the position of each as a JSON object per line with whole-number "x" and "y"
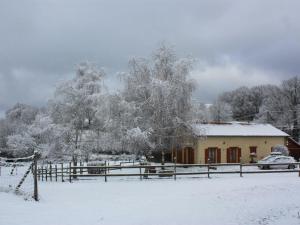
{"x": 238, "y": 129}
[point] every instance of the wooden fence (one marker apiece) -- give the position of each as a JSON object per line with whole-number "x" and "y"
{"x": 68, "y": 172}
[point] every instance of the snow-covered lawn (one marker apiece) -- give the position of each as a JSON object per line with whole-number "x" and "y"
{"x": 223, "y": 199}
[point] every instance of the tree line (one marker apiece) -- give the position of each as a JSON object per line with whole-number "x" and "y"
{"x": 277, "y": 105}
{"x": 154, "y": 111}
{"x": 83, "y": 117}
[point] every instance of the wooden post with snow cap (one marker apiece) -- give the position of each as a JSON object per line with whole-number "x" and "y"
{"x": 141, "y": 174}
{"x": 175, "y": 168}
{"x": 42, "y": 172}
{"x": 62, "y": 172}
{"x": 55, "y": 172}
{"x": 35, "y": 191}
{"x": 46, "y": 171}
{"x": 50, "y": 170}
{"x": 208, "y": 168}
{"x": 81, "y": 165}
{"x": 70, "y": 172}
{"x": 105, "y": 171}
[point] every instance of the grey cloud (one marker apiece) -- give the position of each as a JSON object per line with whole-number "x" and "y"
{"x": 46, "y": 39}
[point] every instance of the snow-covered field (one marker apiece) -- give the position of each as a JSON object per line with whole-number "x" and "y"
{"x": 223, "y": 199}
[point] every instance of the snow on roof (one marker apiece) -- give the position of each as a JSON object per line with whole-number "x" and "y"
{"x": 238, "y": 129}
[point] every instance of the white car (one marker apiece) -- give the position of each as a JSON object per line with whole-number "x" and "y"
{"x": 277, "y": 162}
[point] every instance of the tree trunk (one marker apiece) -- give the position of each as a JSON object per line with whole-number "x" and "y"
{"x": 295, "y": 132}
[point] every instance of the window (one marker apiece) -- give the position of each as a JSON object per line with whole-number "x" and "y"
{"x": 212, "y": 155}
{"x": 253, "y": 150}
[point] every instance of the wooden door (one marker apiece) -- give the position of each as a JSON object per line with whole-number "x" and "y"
{"x": 179, "y": 156}
{"x": 188, "y": 155}
{"x": 213, "y": 154}
{"x": 191, "y": 156}
{"x": 233, "y": 155}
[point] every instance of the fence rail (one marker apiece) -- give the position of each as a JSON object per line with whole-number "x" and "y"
{"x": 69, "y": 172}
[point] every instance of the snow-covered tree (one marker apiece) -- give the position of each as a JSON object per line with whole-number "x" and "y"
{"x": 161, "y": 91}
{"x": 22, "y": 113}
{"x": 220, "y": 111}
{"x": 272, "y": 109}
{"x": 6, "y": 129}
{"x": 138, "y": 141}
{"x": 246, "y": 103}
{"x": 281, "y": 106}
{"x": 21, "y": 144}
{"x": 281, "y": 148}
{"x": 241, "y": 103}
{"x": 199, "y": 113}
{"x": 291, "y": 101}
{"x": 51, "y": 139}
{"x": 75, "y": 102}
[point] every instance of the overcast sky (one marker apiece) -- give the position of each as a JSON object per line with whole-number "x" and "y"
{"x": 235, "y": 42}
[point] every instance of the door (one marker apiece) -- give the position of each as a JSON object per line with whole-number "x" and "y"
{"x": 179, "y": 156}
{"x": 188, "y": 155}
{"x": 233, "y": 155}
{"x": 213, "y": 155}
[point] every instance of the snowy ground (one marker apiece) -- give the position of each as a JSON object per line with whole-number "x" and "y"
{"x": 223, "y": 199}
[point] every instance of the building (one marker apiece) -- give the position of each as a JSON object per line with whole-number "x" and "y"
{"x": 230, "y": 143}
{"x": 294, "y": 148}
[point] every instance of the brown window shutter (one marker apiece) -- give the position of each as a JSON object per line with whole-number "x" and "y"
{"x": 228, "y": 158}
{"x": 218, "y": 155}
{"x": 192, "y": 155}
{"x": 179, "y": 156}
{"x": 206, "y": 155}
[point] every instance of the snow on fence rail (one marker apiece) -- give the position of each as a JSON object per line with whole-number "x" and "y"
{"x": 68, "y": 172}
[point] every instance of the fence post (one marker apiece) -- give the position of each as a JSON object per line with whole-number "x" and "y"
{"x": 55, "y": 172}
{"x": 81, "y": 164}
{"x": 70, "y": 173}
{"x": 35, "y": 192}
{"x": 50, "y": 172}
{"x": 141, "y": 173}
{"x": 46, "y": 171}
{"x": 105, "y": 172}
{"x": 42, "y": 172}
{"x": 208, "y": 168}
{"x": 175, "y": 168}
{"x": 62, "y": 172}
{"x": 241, "y": 169}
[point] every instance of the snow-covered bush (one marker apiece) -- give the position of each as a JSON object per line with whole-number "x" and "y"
{"x": 281, "y": 148}
{"x": 21, "y": 144}
{"x": 138, "y": 141}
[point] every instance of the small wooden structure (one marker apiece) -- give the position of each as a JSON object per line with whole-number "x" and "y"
{"x": 185, "y": 155}
{"x": 294, "y": 148}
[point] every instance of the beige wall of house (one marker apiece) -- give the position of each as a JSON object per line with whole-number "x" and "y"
{"x": 263, "y": 144}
